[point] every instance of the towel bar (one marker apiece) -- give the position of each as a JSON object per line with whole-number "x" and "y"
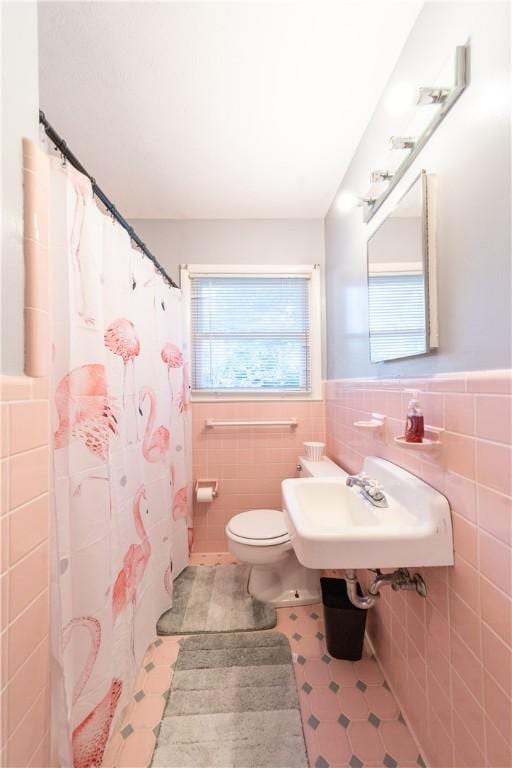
{"x": 281, "y": 423}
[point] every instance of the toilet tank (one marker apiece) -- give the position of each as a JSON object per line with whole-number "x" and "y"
{"x": 324, "y": 468}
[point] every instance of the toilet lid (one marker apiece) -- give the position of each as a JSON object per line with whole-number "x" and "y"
{"x": 262, "y": 524}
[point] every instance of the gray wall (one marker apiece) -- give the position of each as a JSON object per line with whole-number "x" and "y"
{"x": 20, "y": 105}
{"x": 233, "y": 241}
{"x": 399, "y": 239}
{"x": 470, "y": 155}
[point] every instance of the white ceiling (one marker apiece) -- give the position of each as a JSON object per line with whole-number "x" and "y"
{"x": 218, "y": 109}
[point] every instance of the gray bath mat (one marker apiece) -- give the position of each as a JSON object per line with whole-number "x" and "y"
{"x": 214, "y": 599}
{"x": 233, "y": 704}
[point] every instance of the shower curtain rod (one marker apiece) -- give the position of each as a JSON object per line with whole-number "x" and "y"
{"x": 61, "y": 145}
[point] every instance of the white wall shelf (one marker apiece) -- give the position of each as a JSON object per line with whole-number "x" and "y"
{"x": 375, "y": 424}
{"x": 431, "y": 442}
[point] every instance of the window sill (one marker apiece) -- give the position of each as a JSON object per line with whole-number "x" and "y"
{"x": 255, "y": 398}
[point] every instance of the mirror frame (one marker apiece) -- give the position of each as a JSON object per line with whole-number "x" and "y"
{"x": 429, "y": 258}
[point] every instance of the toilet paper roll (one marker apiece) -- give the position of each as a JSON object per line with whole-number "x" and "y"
{"x": 204, "y": 495}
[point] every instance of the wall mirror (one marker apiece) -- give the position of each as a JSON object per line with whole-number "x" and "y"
{"x": 401, "y": 278}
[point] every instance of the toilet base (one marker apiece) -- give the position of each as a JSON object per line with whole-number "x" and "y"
{"x": 290, "y": 598}
{"x": 285, "y": 583}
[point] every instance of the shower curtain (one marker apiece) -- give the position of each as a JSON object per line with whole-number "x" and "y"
{"x": 122, "y": 466}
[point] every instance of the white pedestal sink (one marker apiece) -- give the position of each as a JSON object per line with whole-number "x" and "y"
{"x": 333, "y": 526}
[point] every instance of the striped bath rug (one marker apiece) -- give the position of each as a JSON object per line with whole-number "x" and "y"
{"x": 233, "y": 704}
{"x": 214, "y": 599}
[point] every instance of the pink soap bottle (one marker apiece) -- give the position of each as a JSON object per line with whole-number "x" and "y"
{"x": 415, "y": 427}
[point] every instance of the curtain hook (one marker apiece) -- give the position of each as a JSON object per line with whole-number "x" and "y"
{"x": 60, "y": 147}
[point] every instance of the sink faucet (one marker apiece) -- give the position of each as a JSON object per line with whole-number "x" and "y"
{"x": 370, "y": 489}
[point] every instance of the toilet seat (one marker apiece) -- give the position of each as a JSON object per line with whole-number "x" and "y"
{"x": 259, "y": 538}
{"x": 258, "y": 528}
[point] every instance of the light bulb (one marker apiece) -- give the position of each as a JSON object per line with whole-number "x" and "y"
{"x": 346, "y": 202}
{"x": 401, "y": 98}
{"x": 402, "y": 142}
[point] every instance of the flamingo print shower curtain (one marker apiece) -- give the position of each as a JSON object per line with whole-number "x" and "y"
{"x": 121, "y": 420}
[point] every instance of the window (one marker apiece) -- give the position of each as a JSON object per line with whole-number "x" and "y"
{"x": 253, "y": 330}
{"x": 397, "y": 315}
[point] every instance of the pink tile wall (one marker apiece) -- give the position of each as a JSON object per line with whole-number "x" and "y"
{"x": 24, "y": 694}
{"x": 249, "y": 463}
{"x": 448, "y": 658}
{"x": 35, "y": 247}
{"x": 25, "y": 494}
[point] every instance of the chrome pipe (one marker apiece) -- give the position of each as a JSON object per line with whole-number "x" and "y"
{"x": 399, "y": 579}
{"x": 366, "y": 601}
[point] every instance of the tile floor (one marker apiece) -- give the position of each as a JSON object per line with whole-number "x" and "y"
{"x": 350, "y": 716}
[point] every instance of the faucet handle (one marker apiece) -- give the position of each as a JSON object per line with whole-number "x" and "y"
{"x": 368, "y": 482}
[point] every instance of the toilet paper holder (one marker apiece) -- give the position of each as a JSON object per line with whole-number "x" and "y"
{"x": 207, "y": 483}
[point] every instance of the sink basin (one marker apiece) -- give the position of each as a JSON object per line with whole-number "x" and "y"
{"x": 333, "y": 526}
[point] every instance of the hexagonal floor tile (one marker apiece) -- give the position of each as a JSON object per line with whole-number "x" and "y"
{"x": 333, "y": 743}
{"x": 137, "y": 750}
{"x": 369, "y": 672}
{"x": 352, "y": 702}
{"x": 366, "y": 742}
{"x": 148, "y": 712}
{"x": 398, "y": 741}
{"x": 382, "y": 702}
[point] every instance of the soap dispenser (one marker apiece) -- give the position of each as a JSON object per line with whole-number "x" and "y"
{"x": 415, "y": 427}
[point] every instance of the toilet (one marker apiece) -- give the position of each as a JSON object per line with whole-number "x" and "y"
{"x": 260, "y": 538}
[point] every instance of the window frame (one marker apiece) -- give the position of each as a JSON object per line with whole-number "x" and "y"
{"x": 312, "y": 272}
{"x": 391, "y": 272}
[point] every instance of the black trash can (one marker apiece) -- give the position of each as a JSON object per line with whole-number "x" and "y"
{"x": 344, "y": 622}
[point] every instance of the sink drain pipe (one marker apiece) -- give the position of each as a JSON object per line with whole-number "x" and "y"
{"x": 399, "y": 579}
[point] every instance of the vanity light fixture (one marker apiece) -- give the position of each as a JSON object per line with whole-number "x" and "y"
{"x": 441, "y": 97}
{"x": 403, "y": 97}
{"x": 428, "y": 95}
{"x": 365, "y": 200}
{"x": 377, "y": 177}
{"x": 347, "y": 201}
{"x": 402, "y": 142}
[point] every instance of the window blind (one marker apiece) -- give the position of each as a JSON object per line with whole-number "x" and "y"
{"x": 250, "y": 333}
{"x": 397, "y": 316}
